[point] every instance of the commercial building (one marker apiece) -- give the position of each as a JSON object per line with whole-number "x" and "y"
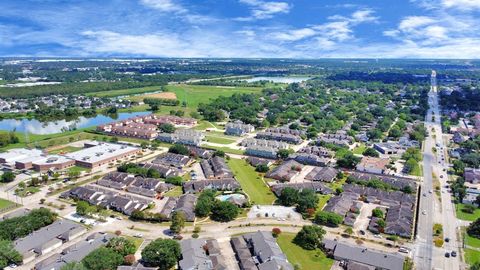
{"x": 373, "y": 165}
{"x": 48, "y": 238}
{"x": 102, "y": 154}
{"x": 238, "y": 128}
{"x": 14, "y": 155}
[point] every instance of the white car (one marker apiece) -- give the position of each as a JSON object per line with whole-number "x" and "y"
{"x": 138, "y": 235}
{"x": 424, "y": 212}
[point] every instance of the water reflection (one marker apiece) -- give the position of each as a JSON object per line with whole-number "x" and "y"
{"x": 36, "y": 127}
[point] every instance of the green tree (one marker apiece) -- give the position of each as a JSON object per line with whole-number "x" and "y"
{"x": 7, "y": 177}
{"x": 161, "y": 253}
{"x": 178, "y": 221}
{"x": 307, "y": 199}
{"x": 122, "y": 246}
{"x": 263, "y": 168}
{"x": 349, "y": 161}
{"x": 371, "y": 152}
{"x": 310, "y": 237}
{"x": 328, "y": 218}
{"x": 283, "y": 153}
{"x": 174, "y": 180}
{"x": 167, "y": 128}
{"x": 83, "y": 208}
{"x": 377, "y": 213}
{"x": 204, "y": 203}
{"x": 224, "y": 211}
{"x": 288, "y": 196}
{"x": 102, "y": 258}
{"x": 8, "y": 254}
{"x": 179, "y": 149}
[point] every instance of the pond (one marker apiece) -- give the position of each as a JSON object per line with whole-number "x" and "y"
{"x": 279, "y": 79}
{"x": 34, "y": 126}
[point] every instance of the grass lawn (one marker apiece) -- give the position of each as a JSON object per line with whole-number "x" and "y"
{"x": 175, "y": 192}
{"x": 77, "y": 169}
{"x": 359, "y": 149}
{"x": 472, "y": 241}
{"x": 224, "y": 149}
{"x": 196, "y": 94}
{"x": 203, "y": 125}
{"x": 27, "y": 191}
{"x": 305, "y": 259}
{"x": 472, "y": 256}
{"x": 124, "y": 92}
{"x": 251, "y": 182}
{"x": 5, "y": 203}
{"x": 219, "y": 139}
{"x": 136, "y": 241}
{"x": 63, "y": 150}
{"x": 322, "y": 200}
{"x": 466, "y": 216}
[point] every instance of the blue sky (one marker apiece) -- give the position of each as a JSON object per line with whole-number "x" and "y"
{"x": 241, "y": 28}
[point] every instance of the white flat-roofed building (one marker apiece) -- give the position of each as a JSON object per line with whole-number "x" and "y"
{"x": 102, "y": 154}
{"x": 13, "y": 155}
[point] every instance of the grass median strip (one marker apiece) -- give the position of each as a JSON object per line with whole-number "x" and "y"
{"x": 251, "y": 182}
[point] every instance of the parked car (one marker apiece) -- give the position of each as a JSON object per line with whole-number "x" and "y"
{"x": 447, "y": 239}
{"x": 447, "y": 254}
{"x": 454, "y": 254}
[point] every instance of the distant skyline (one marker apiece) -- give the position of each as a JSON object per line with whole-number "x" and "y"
{"x": 241, "y": 28}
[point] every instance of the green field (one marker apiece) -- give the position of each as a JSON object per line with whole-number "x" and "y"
{"x": 359, "y": 149}
{"x": 5, "y": 204}
{"x": 472, "y": 256}
{"x": 219, "y": 139}
{"x": 322, "y": 201}
{"x": 66, "y": 149}
{"x": 192, "y": 94}
{"x": 251, "y": 182}
{"x": 124, "y": 92}
{"x": 305, "y": 259}
{"x": 224, "y": 149}
{"x": 175, "y": 192}
{"x": 472, "y": 241}
{"x": 466, "y": 216}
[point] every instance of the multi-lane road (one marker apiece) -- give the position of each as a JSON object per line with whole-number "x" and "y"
{"x": 433, "y": 208}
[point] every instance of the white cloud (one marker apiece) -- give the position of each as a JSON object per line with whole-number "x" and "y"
{"x": 339, "y": 29}
{"x": 294, "y": 35}
{"x": 461, "y": 4}
{"x": 413, "y": 22}
{"x": 264, "y": 9}
{"x": 164, "y": 5}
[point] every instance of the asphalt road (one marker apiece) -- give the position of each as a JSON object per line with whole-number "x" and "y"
{"x": 427, "y": 256}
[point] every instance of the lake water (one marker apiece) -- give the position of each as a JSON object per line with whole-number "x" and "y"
{"x": 279, "y": 79}
{"x": 36, "y": 127}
